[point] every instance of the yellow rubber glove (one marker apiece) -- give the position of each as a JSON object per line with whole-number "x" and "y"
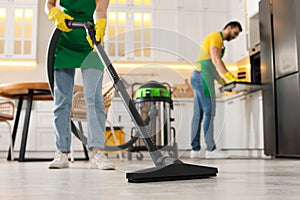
{"x": 100, "y": 31}
{"x": 230, "y": 77}
{"x": 59, "y": 18}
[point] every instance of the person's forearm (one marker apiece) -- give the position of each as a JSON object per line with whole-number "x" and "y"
{"x": 215, "y": 54}
{"x": 48, "y": 5}
{"x": 220, "y": 66}
{"x": 101, "y": 9}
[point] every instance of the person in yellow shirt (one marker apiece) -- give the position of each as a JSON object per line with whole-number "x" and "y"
{"x": 209, "y": 67}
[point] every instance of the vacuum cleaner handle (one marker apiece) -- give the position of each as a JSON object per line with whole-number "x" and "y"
{"x": 88, "y": 26}
{"x": 74, "y": 24}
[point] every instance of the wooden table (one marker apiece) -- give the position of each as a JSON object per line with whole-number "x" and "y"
{"x": 30, "y": 91}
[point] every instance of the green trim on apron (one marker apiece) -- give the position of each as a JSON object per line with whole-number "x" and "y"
{"x": 73, "y": 50}
{"x": 223, "y": 47}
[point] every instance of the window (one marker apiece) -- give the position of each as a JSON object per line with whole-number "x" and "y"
{"x": 18, "y": 30}
{"x": 129, "y": 20}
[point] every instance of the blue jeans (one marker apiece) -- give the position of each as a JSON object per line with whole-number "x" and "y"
{"x": 63, "y": 93}
{"x": 204, "y": 108}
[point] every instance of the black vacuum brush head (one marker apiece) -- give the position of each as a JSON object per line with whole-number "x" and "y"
{"x": 171, "y": 172}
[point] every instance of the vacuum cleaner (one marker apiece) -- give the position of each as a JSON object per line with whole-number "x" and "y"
{"x": 166, "y": 168}
{"x": 154, "y": 103}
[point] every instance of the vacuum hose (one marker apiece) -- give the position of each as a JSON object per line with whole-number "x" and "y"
{"x": 50, "y": 71}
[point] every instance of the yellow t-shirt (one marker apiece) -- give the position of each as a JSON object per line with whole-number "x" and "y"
{"x": 213, "y": 39}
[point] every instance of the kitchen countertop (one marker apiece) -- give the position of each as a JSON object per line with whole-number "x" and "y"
{"x": 221, "y": 97}
{"x": 227, "y": 96}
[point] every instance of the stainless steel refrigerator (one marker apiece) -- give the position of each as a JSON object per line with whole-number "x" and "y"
{"x": 280, "y": 70}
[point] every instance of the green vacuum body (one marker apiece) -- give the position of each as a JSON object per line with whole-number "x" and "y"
{"x": 152, "y": 90}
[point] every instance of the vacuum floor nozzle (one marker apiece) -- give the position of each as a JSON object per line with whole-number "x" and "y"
{"x": 171, "y": 172}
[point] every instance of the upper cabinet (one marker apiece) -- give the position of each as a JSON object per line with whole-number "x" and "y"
{"x": 192, "y": 5}
{"x": 18, "y": 25}
{"x": 183, "y": 25}
{"x": 129, "y": 35}
{"x": 239, "y": 46}
{"x": 178, "y": 34}
{"x": 215, "y": 5}
{"x": 252, "y": 7}
{"x": 172, "y": 30}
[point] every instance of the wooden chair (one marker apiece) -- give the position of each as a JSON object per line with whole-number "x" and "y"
{"x": 78, "y": 112}
{"x": 7, "y": 109}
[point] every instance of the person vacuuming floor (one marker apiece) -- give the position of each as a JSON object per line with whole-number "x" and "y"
{"x": 74, "y": 50}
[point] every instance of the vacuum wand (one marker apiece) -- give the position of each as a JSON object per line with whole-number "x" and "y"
{"x": 155, "y": 153}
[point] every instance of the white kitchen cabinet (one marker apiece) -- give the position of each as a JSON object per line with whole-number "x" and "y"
{"x": 239, "y": 46}
{"x": 216, "y": 5}
{"x": 166, "y": 35}
{"x": 45, "y": 134}
{"x": 119, "y": 117}
{"x": 234, "y": 127}
{"x": 178, "y": 35}
{"x": 252, "y": 7}
{"x": 187, "y": 24}
{"x": 129, "y": 36}
{"x": 194, "y": 5}
{"x": 170, "y": 30}
{"x": 45, "y": 130}
{"x": 243, "y": 124}
{"x": 254, "y": 116}
{"x": 219, "y": 21}
{"x": 219, "y": 123}
{"x": 183, "y": 114}
{"x": 18, "y": 27}
{"x": 176, "y": 38}
{"x": 191, "y": 5}
{"x": 191, "y": 35}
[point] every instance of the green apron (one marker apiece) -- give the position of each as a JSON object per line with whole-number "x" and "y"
{"x": 208, "y": 71}
{"x": 73, "y": 50}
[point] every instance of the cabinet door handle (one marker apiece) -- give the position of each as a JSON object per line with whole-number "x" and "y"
{"x": 120, "y": 118}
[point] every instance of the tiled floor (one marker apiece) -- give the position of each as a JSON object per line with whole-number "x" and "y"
{"x": 255, "y": 179}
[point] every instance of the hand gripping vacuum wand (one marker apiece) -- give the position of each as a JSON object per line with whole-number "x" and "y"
{"x": 166, "y": 168}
